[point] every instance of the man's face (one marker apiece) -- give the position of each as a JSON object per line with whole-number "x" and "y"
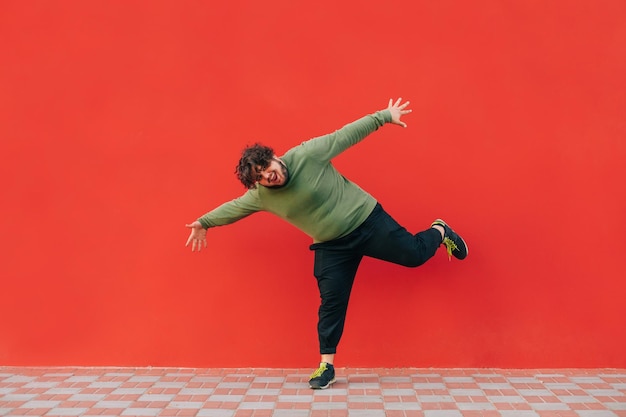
{"x": 275, "y": 175}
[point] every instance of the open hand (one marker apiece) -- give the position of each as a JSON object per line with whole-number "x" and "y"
{"x": 398, "y": 110}
{"x": 197, "y": 237}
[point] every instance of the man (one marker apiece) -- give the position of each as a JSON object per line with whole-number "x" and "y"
{"x": 345, "y": 223}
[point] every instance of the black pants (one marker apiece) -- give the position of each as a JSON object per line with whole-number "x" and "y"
{"x": 337, "y": 261}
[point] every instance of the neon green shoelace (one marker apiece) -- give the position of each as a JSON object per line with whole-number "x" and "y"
{"x": 319, "y": 371}
{"x": 450, "y": 246}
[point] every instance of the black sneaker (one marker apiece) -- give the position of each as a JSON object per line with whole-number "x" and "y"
{"x": 455, "y": 245}
{"x": 323, "y": 377}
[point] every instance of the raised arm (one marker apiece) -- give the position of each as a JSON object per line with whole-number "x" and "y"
{"x": 328, "y": 146}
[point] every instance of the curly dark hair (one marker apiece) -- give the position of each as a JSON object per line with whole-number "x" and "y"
{"x": 252, "y": 157}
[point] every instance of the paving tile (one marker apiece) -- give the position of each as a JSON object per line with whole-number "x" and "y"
{"x": 495, "y": 385}
{"x": 569, "y": 399}
{"x": 87, "y": 397}
{"x": 105, "y": 384}
{"x": 216, "y": 413}
{"x": 66, "y": 411}
{"x": 82, "y": 378}
{"x": 398, "y": 391}
{"x": 141, "y": 412}
{"x": 295, "y": 398}
{"x": 327, "y": 392}
{"x": 42, "y": 384}
{"x": 256, "y": 405}
{"x": 119, "y": 374}
{"x": 605, "y": 393}
{"x": 226, "y": 398}
{"x": 143, "y": 378}
{"x": 18, "y": 379}
{"x": 475, "y": 406}
{"x": 506, "y": 399}
{"x": 129, "y": 391}
{"x": 112, "y": 404}
{"x": 269, "y": 379}
{"x": 196, "y": 391}
{"x": 443, "y": 413}
{"x": 468, "y": 392}
{"x": 429, "y": 386}
{"x": 596, "y": 413}
{"x": 206, "y": 380}
{"x": 40, "y": 404}
{"x": 12, "y": 397}
{"x": 234, "y": 385}
{"x": 63, "y": 391}
{"x": 328, "y": 406}
{"x": 549, "y": 406}
{"x": 365, "y": 399}
{"x": 459, "y": 380}
{"x": 435, "y": 398}
{"x": 186, "y": 404}
{"x": 291, "y": 413}
{"x": 366, "y": 413}
{"x": 518, "y": 413}
{"x": 156, "y": 397}
{"x": 586, "y": 379}
{"x": 523, "y": 379}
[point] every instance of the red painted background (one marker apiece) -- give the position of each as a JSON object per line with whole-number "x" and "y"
{"x": 120, "y": 121}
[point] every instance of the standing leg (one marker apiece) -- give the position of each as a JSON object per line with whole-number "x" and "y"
{"x": 335, "y": 272}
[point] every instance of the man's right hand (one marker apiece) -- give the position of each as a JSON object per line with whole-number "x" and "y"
{"x": 197, "y": 237}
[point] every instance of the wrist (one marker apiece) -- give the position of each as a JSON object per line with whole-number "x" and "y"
{"x": 386, "y": 114}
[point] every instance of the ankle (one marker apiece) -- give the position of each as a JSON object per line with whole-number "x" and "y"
{"x": 328, "y": 358}
{"x": 441, "y": 230}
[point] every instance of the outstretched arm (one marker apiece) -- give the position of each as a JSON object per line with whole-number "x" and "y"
{"x": 328, "y": 146}
{"x": 227, "y": 213}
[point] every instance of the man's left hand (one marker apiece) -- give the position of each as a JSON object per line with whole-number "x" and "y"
{"x": 397, "y": 110}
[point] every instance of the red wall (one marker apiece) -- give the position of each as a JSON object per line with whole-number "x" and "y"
{"x": 120, "y": 121}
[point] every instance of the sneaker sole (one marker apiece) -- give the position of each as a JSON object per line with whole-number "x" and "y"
{"x": 332, "y": 381}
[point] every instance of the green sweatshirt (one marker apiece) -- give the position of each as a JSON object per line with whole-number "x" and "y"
{"x": 317, "y": 199}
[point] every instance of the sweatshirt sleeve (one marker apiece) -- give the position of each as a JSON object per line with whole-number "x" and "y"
{"x": 328, "y": 146}
{"x": 232, "y": 211}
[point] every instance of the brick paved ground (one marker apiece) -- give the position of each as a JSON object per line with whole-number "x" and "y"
{"x": 285, "y": 393}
